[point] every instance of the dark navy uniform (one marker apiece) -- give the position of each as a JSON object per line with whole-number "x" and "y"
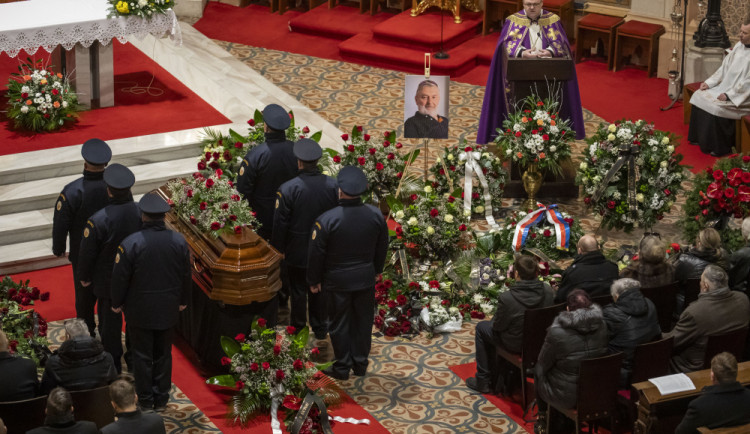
{"x": 104, "y": 231}
{"x": 262, "y": 172}
{"x": 299, "y": 202}
{"x": 347, "y": 251}
{"x": 422, "y": 126}
{"x": 77, "y": 202}
{"x": 150, "y": 281}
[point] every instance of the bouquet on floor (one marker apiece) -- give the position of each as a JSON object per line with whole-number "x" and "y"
{"x": 226, "y": 151}
{"x": 631, "y": 174}
{"x": 397, "y": 306}
{"x": 212, "y": 204}
{"x": 25, "y": 328}
{"x": 450, "y": 173}
{"x": 555, "y": 241}
{"x": 537, "y": 135}
{"x": 720, "y": 194}
{"x": 40, "y": 99}
{"x": 139, "y": 8}
{"x": 271, "y": 371}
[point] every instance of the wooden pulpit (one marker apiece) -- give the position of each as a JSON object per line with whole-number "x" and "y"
{"x": 534, "y": 76}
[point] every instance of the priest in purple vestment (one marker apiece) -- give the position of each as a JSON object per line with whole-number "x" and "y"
{"x": 530, "y": 33}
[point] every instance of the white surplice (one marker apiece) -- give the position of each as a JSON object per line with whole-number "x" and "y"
{"x": 732, "y": 78}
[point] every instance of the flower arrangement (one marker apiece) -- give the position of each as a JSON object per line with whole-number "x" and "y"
{"x": 267, "y": 367}
{"x": 450, "y": 171}
{"x": 25, "y": 328}
{"x": 40, "y": 99}
{"x": 719, "y": 193}
{"x": 432, "y": 223}
{"x": 397, "y": 306}
{"x": 211, "y": 203}
{"x": 541, "y": 237}
{"x": 139, "y": 8}
{"x": 659, "y": 181}
{"x": 225, "y": 152}
{"x": 536, "y": 135}
{"x": 379, "y": 157}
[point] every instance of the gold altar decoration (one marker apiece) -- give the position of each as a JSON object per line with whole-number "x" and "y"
{"x": 532, "y": 181}
{"x": 236, "y": 269}
{"x": 454, "y": 6}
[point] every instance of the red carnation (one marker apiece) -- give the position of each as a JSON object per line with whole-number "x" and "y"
{"x": 518, "y": 134}
{"x": 238, "y": 230}
{"x": 261, "y": 322}
{"x": 216, "y": 155}
{"x": 399, "y": 175}
{"x": 587, "y": 200}
{"x": 401, "y": 300}
{"x": 379, "y": 166}
{"x": 232, "y": 217}
{"x": 388, "y": 283}
{"x": 227, "y": 155}
{"x": 215, "y": 226}
{"x": 240, "y": 337}
{"x": 399, "y": 145}
{"x": 254, "y": 367}
{"x": 545, "y": 137}
{"x": 462, "y": 228}
{"x": 372, "y": 151}
{"x": 413, "y": 197}
{"x": 434, "y": 284}
{"x": 667, "y": 192}
{"x": 361, "y": 161}
{"x": 298, "y": 365}
{"x": 336, "y": 159}
{"x": 224, "y": 206}
{"x": 675, "y": 247}
{"x": 266, "y": 366}
{"x": 345, "y": 137}
{"x": 746, "y": 158}
{"x": 202, "y": 206}
{"x": 391, "y": 304}
{"x": 251, "y": 122}
{"x": 225, "y": 361}
{"x": 290, "y": 330}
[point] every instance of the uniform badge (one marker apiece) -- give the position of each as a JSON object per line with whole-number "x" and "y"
{"x": 59, "y": 205}
{"x": 117, "y": 258}
{"x": 315, "y": 233}
{"x": 86, "y": 233}
{"x": 277, "y": 203}
{"x": 242, "y": 170}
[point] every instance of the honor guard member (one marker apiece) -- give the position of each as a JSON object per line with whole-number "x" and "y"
{"x": 151, "y": 282}
{"x": 78, "y": 201}
{"x": 299, "y": 201}
{"x": 347, "y": 252}
{"x": 104, "y": 231}
{"x": 267, "y": 166}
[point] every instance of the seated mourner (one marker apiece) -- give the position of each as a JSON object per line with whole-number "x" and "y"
{"x": 59, "y": 416}
{"x": 18, "y": 380}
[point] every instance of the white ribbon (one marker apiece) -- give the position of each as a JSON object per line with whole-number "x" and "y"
{"x": 472, "y": 166}
{"x": 351, "y": 420}
{"x": 276, "y": 394}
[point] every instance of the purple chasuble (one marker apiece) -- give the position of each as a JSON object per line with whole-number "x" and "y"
{"x": 515, "y": 37}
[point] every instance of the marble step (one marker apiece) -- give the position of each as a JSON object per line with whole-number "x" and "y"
{"x": 29, "y": 256}
{"x": 41, "y": 194}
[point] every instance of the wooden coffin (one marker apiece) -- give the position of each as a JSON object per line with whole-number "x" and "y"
{"x": 234, "y": 269}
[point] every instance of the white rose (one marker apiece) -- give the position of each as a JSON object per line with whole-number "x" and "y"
{"x": 663, "y": 164}
{"x": 611, "y": 137}
{"x": 24, "y": 109}
{"x": 486, "y": 155}
{"x": 612, "y": 128}
{"x": 450, "y": 157}
{"x": 437, "y": 159}
{"x": 467, "y": 213}
{"x": 508, "y": 151}
{"x": 665, "y": 140}
{"x": 412, "y": 221}
{"x": 448, "y": 218}
{"x": 453, "y": 310}
{"x": 553, "y": 148}
{"x": 670, "y": 148}
{"x": 479, "y": 209}
{"x": 430, "y": 230}
{"x": 427, "y": 189}
{"x": 639, "y": 122}
{"x": 399, "y": 214}
{"x": 639, "y": 197}
{"x": 584, "y": 166}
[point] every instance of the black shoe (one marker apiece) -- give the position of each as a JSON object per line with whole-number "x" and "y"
{"x": 147, "y": 408}
{"x": 359, "y": 372}
{"x": 334, "y": 374}
{"x": 160, "y": 408}
{"x": 474, "y": 384}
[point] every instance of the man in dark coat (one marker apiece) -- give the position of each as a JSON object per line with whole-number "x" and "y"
{"x": 576, "y": 334}
{"x": 104, "y": 231}
{"x": 78, "y": 201}
{"x": 80, "y": 363}
{"x": 151, "y": 282}
{"x": 347, "y": 251}
{"x": 506, "y": 327}
{"x": 59, "y": 417}
{"x": 724, "y": 404}
{"x": 18, "y": 379}
{"x": 299, "y": 202}
{"x": 631, "y": 321}
{"x": 590, "y": 271}
{"x": 130, "y": 419}
{"x": 717, "y": 310}
{"x": 267, "y": 166}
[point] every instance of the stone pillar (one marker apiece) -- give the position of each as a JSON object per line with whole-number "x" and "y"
{"x": 701, "y": 63}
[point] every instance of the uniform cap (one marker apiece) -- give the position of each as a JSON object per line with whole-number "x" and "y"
{"x": 119, "y": 176}
{"x": 307, "y": 150}
{"x": 276, "y": 117}
{"x": 352, "y": 180}
{"x": 152, "y": 203}
{"x": 96, "y": 151}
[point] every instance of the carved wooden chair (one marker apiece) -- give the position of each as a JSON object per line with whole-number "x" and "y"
{"x": 22, "y": 416}
{"x": 663, "y": 298}
{"x": 732, "y": 342}
{"x": 93, "y": 405}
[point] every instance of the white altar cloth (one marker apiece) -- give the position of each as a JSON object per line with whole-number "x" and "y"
{"x": 28, "y": 25}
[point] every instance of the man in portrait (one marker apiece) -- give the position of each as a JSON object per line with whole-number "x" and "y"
{"x": 426, "y": 122}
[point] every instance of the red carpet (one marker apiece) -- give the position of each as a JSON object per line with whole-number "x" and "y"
{"x": 132, "y": 114}
{"x": 341, "y": 22}
{"x": 59, "y": 282}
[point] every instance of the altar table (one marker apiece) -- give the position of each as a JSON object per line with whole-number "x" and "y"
{"x": 83, "y": 29}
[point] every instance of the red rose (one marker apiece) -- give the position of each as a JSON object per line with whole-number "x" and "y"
{"x": 202, "y": 206}
{"x": 372, "y": 151}
{"x": 367, "y": 137}
{"x": 290, "y": 330}
{"x": 434, "y": 212}
{"x": 215, "y": 226}
{"x": 239, "y": 385}
{"x": 452, "y": 168}
{"x": 276, "y": 350}
{"x": 251, "y": 122}
{"x": 345, "y": 137}
{"x": 24, "y": 95}
{"x": 388, "y": 283}
{"x": 361, "y": 161}
{"x": 547, "y": 233}
{"x": 216, "y": 155}
{"x": 705, "y": 212}
{"x": 13, "y": 344}
{"x": 292, "y": 402}
{"x": 266, "y": 366}
{"x": 224, "y": 206}
{"x": 413, "y": 197}
{"x": 475, "y": 195}
{"x": 298, "y": 365}
{"x": 399, "y": 175}
{"x": 261, "y": 322}
{"x": 379, "y": 166}
{"x": 240, "y": 337}
{"x": 254, "y": 367}
{"x": 201, "y": 165}
{"x": 209, "y": 183}
{"x": 533, "y": 235}
{"x": 401, "y": 300}
{"x": 238, "y": 230}
{"x": 315, "y": 351}
{"x": 611, "y": 204}
{"x": 451, "y": 199}
{"x": 238, "y": 145}
{"x": 232, "y": 217}
{"x": 336, "y": 159}
{"x": 462, "y": 228}
{"x": 399, "y": 231}
{"x": 227, "y": 156}
{"x": 746, "y": 158}
{"x": 399, "y": 145}
{"x": 46, "y": 116}
{"x": 568, "y": 220}
{"x": 193, "y": 220}
{"x": 718, "y": 175}
{"x": 305, "y": 130}
{"x": 386, "y": 143}
{"x": 359, "y": 128}
{"x": 539, "y": 103}
{"x": 468, "y": 149}
{"x": 545, "y": 137}
{"x": 391, "y": 304}
{"x": 225, "y": 361}
{"x": 35, "y": 293}
{"x": 390, "y": 156}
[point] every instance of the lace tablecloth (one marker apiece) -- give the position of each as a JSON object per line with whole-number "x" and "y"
{"x": 28, "y": 25}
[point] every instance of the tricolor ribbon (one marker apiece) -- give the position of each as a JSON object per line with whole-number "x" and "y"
{"x": 562, "y": 228}
{"x": 472, "y": 167}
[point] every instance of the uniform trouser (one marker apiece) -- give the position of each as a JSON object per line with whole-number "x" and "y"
{"x": 110, "y": 331}
{"x": 152, "y": 365}
{"x": 351, "y": 314}
{"x": 85, "y": 301}
{"x": 305, "y": 304}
